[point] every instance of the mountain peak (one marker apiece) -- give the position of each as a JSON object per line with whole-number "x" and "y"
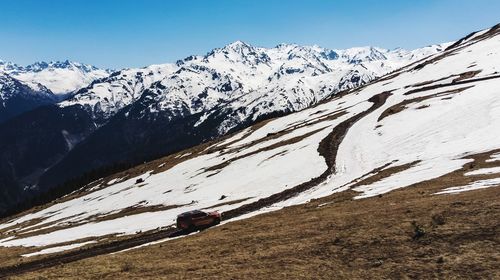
{"x": 282, "y": 46}
{"x": 238, "y": 44}
{"x": 237, "y": 51}
{"x": 239, "y": 47}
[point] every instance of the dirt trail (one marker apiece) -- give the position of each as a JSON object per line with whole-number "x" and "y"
{"x": 111, "y": 247}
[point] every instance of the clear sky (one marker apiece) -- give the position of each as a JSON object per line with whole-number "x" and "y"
{"x": 135, "y": 33}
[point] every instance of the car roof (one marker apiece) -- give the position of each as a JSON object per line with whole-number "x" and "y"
{"x": 192, "y": 212}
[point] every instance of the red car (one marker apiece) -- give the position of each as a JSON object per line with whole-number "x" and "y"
{"x": 196, "y": 220}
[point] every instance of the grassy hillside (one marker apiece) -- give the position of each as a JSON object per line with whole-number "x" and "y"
{"x": 408, "y": 233}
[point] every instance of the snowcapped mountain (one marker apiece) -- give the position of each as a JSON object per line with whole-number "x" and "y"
{"x": 9, "y": 87}
{"x": 17, "y": 97}
{"x": 61, "y": 77}
{"x": 432, "y": 125}
{"x": 253, "y": 81}
{"x": 104, "y": 97}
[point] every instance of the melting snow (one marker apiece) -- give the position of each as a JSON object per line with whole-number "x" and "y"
{"x": 483, "y": 171}
{"x": 482, "y": 184}
{"x": 58, "y": 249}
{"x": 494, "y": 157}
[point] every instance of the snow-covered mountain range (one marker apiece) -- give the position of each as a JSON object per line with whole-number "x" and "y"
{"x": 133, "y": 115}
{"x": 24, "y": 88}
{"x": 434, "y": 118}
{"x": 61, "y": 77}
{"x": 251, "y": 81}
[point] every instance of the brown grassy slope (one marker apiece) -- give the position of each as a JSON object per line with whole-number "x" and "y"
{"x": 368, "y": 238}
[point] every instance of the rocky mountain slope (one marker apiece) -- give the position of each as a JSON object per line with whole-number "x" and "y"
{"x": 24, "y": 88}
{"x": 17, "y": 97}
{"x": 436, "y": 118}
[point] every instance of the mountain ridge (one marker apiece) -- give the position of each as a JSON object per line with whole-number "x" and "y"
{"x": 258, "y": 68}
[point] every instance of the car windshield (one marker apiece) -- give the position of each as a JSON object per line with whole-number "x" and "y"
{"x": 194, "y": 213}
{"x": 199, "y": 215}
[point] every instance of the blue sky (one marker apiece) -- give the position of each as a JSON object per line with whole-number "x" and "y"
{"x": 134, "y": 33}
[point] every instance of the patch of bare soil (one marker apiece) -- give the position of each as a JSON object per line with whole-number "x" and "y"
{"x": 394, "y": 109}
{"x": 230, "y": 202}
{"x": 466, "y": 75}
{"x": 382, "y": 173}
{"x": 11, "y": 255}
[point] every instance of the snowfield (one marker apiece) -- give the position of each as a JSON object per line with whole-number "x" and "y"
{"x": 436, "y": 114}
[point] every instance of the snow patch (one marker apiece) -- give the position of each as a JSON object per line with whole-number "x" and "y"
{"x": 482, "y": 184}
{"x": 483, "y": 171}
{"x": 57, "y": 249}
